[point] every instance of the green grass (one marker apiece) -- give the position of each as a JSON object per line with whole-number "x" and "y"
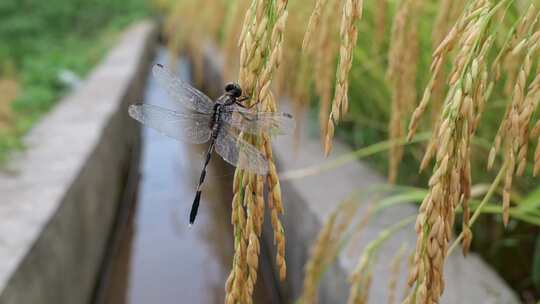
{"x": 40, "y": 39}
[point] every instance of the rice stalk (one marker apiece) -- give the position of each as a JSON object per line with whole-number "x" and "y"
{"x": 325, "y": 249}
{"x": 345, "y": 159}
{"x": 317, "y": 256}
{"x": 491, "y": 191}
{"x": 395, "y": 267}
{"x": 361, "y": 277}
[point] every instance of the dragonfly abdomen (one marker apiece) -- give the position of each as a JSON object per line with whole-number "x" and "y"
{"x": 196, "y": 201}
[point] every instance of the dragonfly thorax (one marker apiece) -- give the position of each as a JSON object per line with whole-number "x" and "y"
{"x": 225, "y": 100}
{"x": 219, "y": 106}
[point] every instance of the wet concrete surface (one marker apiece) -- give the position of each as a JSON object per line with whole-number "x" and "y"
{"x": 160, "y": 258}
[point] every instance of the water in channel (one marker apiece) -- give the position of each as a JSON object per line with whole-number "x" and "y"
{"x": 160, "y": 259}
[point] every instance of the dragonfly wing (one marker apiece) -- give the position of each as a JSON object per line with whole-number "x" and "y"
{"x": 191, "y": 127}
{"x": 240, "y": 153}
{"x": 190, "y": 97}
{"x": 272, "y": 123}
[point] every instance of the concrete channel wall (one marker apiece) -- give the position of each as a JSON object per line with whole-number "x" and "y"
{"x": 308, "y": 202}
{"x": 59, "y": 198}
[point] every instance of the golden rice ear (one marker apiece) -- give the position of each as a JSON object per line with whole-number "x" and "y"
{"x": 514, "y": 130}
{"x": 352, "y": 12}
{"x": 260, "y": 55}
{"x": 313, "y": 24}
{"x": 401, "y": 76}
{"x": 450, "y": 183}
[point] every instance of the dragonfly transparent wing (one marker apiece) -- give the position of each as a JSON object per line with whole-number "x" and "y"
{"x": 191, "y": 127}
{"x": 273, "y": 123}
{"x": 240, "y": 153}
{"x": 180, "y": 91}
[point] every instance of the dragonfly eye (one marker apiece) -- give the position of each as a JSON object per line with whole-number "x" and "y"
{"x": 233, "y": 89}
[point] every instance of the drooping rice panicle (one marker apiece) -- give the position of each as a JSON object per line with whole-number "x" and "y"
{"x": 511, "y": 60}
{"x": 352, "y": 12}
{"x": 313, "y": 23}
{"x": 324, "y": 52}
{"x": 447, "y": 15}
{"x": 438, "y": 58}
{"x": 513, "y": 133}
{"x": 450, "y": 183}
{"x": 260, "y": 55}
{"x": 401, "y": 75}
{"x": 274, "y": 188}
{"x": 240, "y": 283}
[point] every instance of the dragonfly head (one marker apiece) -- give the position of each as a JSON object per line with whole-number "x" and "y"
{"x": 233, "y": 89}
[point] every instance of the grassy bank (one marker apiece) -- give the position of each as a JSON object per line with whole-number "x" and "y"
{"x": 46, "y": 48}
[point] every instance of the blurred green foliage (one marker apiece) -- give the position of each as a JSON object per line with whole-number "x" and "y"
{"x": 39, "y": 39}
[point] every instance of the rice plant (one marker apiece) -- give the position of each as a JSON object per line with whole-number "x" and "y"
{"x": 471, "y": 65}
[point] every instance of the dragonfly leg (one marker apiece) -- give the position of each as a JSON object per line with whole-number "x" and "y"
{"x": 243, "y": 105}
{"x": 243, "y": 98}
{"x": 251, "y": 106}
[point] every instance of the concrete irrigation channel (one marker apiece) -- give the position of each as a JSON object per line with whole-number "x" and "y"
{"x": 95, "y": 210}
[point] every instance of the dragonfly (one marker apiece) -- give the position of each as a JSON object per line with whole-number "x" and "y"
{"x": 221, "y": 123}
